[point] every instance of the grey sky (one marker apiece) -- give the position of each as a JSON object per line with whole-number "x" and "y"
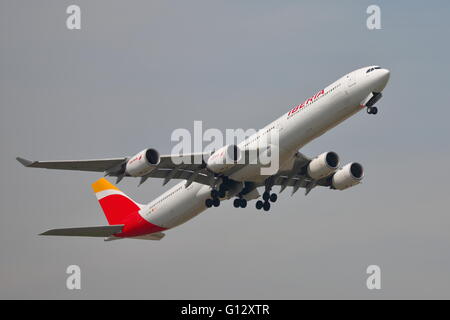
{"x": 140, "y": 69}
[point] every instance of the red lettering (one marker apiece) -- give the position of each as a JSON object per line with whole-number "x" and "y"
{"x": 310, "y": 100}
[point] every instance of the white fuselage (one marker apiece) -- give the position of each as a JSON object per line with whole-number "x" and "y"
{"x": 296, "y": 128}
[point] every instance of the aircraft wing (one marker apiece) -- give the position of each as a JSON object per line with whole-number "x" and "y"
{"x": 296, "y": 181}
{"x": 190, "y": 162}
{"x": 295, "y": 177}
{"x": 189, "y": 167}
{"x": 98, "y": 165}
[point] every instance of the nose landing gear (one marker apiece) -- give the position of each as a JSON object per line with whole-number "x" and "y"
{"x": 375, "y": 97}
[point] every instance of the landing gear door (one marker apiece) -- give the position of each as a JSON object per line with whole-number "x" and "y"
{"x": 371, "y": 99}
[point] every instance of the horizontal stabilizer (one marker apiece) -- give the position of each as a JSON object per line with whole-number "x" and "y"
{"x": 101, "y": 231}
{"x": 151, "y": 236}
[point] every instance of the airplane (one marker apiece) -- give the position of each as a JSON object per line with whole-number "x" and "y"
{"x": 220, "y": 175}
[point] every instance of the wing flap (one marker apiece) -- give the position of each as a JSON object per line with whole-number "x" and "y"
{"x": 100, "y": 231}
{"x": 200, "y": 177}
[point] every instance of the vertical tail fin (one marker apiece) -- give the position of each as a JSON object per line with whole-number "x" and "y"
{"x": 116, "y": 205}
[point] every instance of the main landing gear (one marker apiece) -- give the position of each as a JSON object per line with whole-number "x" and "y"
{"x": 240, "y": 203}
{"x": 372, "y": 110}
{"x": 212, "y": 202}
{"x": 267, "y": 197}
{"x": 215, "y": 198}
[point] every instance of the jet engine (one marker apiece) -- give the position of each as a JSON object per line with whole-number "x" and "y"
{"x": 224, "y": 158}
{"x": 350, "y": 175}
{"x": 142, "y": 163}
{"x": 323, "y": 166}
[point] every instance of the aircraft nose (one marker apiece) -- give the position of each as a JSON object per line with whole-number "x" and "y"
{"x": 381, "y": 79}
{"x": 385, "y": 74}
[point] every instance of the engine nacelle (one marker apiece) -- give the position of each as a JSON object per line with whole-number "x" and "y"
{"x": 350, "y": 175}
{"x": 142, "y": 163}
{"x": 224, "y": 158}
{"x": 323, "y": 166}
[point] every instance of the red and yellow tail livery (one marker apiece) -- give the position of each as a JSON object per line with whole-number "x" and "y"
{"x": 126, "y": 218}
{"x": 117, "y": 206}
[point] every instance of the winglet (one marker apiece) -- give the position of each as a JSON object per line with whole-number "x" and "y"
{"x": 24, "y": 162}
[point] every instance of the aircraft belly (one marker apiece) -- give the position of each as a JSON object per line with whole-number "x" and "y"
{"x": 252, "y": 173}
{"x": 248, "y": 173}
{"x": 185, "y": 206}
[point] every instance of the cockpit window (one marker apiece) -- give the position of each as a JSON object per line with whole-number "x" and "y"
{"x": 371, "y": 69}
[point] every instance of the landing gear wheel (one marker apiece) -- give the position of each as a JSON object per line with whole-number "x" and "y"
{"x": 266, "y": 196}
{"x": 221, "y": 193}
{"x": 259, "y": 204}
{"x": 273, "y": 197}
{"x": 372, "y": 110}
{"x": 209, "y": 203}
{"x": 216, "y": 202}
{"x": 266, "y": 206}
{"x": 240, "y": 203}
